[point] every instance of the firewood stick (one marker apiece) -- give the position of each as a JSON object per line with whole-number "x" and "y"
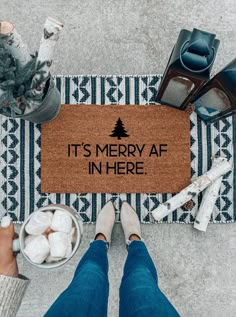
{"x": 14, "y": 43}
{"x": 208, "y": 202}
{"x": 201, "y": 183}
{"x": 49, "y": 39}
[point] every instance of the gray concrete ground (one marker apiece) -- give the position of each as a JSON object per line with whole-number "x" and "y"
{"x": 196, "y": 271}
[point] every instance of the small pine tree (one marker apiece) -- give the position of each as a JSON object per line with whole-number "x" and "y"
{"x": 16, "y": 83}
{"x": 119, "y": 130}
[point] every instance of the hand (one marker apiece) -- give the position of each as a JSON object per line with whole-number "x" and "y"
{"x": 8, "y": 264}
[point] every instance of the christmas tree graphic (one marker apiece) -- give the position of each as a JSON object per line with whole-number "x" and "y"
{"x": 119, "y": 130}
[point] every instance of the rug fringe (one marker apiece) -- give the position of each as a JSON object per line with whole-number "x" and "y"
{"x": 104, "y": 76}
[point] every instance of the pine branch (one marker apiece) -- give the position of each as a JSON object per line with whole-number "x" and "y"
{"x": 15, "y": 82}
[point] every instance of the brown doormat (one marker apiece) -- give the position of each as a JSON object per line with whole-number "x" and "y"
{"x": 118, "y": 149}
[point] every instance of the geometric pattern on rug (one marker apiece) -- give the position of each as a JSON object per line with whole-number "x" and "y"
{"x": 20, "y": 155}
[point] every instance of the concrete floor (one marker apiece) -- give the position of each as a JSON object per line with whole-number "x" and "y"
{"x": 196, "y": 271}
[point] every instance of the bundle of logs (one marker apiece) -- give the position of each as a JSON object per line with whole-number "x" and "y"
{"x": 23, "y": 77}
{"x": 210, "y": 182}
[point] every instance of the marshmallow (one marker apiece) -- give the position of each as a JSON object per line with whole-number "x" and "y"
{"x": 61, "y": 221}
{"x": 69, "y": 249}
{"x": 28, "y": 239}
{"x": 38, "y": 249}
{"x": 59, "y": 242}
{"x": 73, "y": 235}
{"x": 38, "y": 223}
{"x": 50, "y": 214}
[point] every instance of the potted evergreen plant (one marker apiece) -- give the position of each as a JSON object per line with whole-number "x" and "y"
{"x": 27, "y": 90}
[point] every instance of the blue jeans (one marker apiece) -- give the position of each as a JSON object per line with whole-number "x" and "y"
{"x": 87, "y": 295}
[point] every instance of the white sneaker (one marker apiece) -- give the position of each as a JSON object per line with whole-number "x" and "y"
{"x": 105, "y": 221}
{"x": 130, "y": 222}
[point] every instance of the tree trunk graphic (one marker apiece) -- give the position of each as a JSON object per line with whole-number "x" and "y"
{"x": 119, "y": 130}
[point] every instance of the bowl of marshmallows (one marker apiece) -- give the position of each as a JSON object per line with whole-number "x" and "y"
{"x": 50, "y": 236}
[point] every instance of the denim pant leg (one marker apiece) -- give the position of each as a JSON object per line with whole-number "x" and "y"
{"x": 87, "y": 294}
{"x": 139, "y": 292}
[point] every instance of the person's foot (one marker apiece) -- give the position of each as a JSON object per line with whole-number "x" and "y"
{"x": 130, "y": 222}
{"x": 105, "y": 222}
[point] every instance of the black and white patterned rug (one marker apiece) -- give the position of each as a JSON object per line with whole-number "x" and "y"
{"x": 20, "y": 155}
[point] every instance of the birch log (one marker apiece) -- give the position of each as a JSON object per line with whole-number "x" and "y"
{"x": 48, "y": 41}
{"x": 201, "y": 183}
{"x": 14, "y": 43}
{"x": 208, "y": 202}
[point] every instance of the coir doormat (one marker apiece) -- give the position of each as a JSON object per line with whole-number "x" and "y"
{"x": 132, "y": 149}
{"x": 20, "y": 155}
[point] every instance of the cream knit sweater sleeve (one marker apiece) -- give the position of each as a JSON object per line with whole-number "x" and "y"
{"x": 11, "y": 293}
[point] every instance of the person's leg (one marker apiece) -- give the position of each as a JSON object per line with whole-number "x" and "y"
{"x": 87, "y": 295}
{"x": 139, "y": 292}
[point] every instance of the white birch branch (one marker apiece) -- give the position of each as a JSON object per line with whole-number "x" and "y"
{"x": 48, "y": 42}
{"x": 201, "y": 183}
{"x": 14, "y": 43}
{"x": 208, "y": 202}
